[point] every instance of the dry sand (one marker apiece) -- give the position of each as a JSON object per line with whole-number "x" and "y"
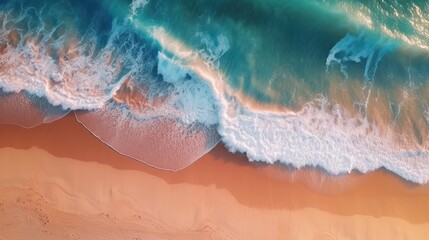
{"x": 57, "y": 181}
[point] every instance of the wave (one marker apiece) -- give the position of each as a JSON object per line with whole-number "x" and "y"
{"x": 362, "y": 47}
{"x": 166, "y": 101}
{"x": 399, "y": 20}
{"x": 115, "y": 85}
{"x": 317, "y": 135}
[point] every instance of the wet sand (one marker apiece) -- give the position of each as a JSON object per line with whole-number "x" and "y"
{"x": 57, "y": 181}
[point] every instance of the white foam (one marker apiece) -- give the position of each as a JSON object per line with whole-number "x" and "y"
{"x": 39, "y": 75}
{"x": 313, "y": 136}
{"x": 214, "y": 48}
{"x": 89, "y": 80}
{"x": 192, "y": 98}
{"x": 85, "y": 81}
{"x": 171, "y": 69}
{"x": 135, "y": 6}
{"x": 357, "y": 48}
{"x": 317, "y": 137}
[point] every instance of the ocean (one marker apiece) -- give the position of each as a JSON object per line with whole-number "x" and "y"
{"x": 340, "y": 85}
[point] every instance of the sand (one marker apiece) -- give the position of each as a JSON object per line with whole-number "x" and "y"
{"x": 57, "y": 181}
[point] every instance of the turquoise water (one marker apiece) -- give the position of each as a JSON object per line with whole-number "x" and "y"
{"x": 273, "y": 46}
{"x": 279, "y": 47}
{"x": 339, "y": 84}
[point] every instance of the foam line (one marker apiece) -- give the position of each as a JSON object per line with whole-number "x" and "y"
{"x": 313, "y": 136}
{"x": 174, "y": 100}
{"x": 356, "y": 48}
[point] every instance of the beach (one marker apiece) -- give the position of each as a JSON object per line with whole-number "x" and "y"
{"x": 194, "y": 119}
{"x": 58, "y": 181}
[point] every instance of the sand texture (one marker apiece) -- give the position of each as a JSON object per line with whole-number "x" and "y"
{"x": 57, "y": 181}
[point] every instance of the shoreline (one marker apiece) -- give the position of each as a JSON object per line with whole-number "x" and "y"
{"x": 221, "y": 190}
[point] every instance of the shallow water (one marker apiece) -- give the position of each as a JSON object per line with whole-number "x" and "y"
{"x": 335, "y": 84}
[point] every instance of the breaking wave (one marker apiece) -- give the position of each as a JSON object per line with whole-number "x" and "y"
{"x": 166, "y": 98}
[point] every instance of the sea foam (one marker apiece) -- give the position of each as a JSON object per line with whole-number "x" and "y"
{"x": 361, "y": 47}
{"x": 166, "y": 104}
{"x": 63, "y": 80}
{"x": 317, "y": 135}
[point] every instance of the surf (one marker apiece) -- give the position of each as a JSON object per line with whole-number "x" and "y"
{"x": 353, "y": 100}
